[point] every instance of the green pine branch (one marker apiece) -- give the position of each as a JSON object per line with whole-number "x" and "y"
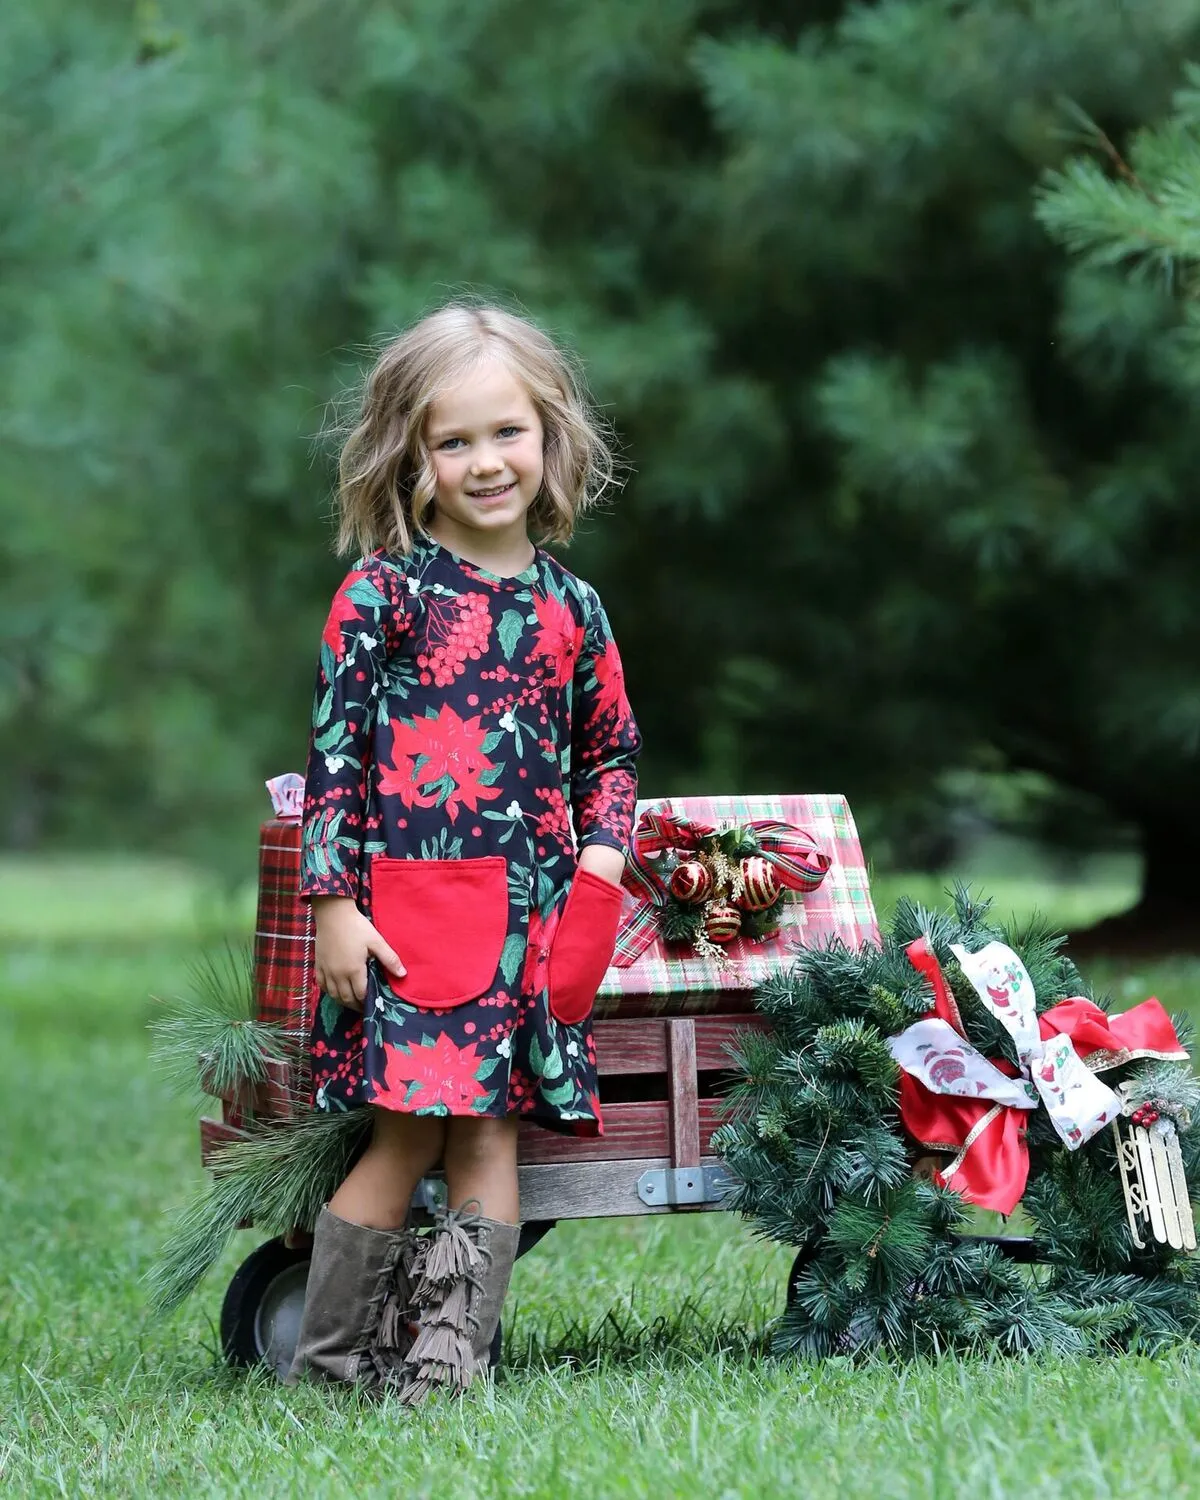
{"x": 279, "y": 1178}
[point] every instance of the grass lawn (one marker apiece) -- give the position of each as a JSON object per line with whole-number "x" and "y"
{"x": 634, "y": 1362}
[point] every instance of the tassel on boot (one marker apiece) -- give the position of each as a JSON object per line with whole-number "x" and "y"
{"x": 461, "y": 1280}
{"x": 396, "y": 1328}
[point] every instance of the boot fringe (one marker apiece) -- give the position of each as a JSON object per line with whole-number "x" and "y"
{"x": 441, "y": 1344}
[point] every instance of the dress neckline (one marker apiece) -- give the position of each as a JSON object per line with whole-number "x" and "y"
{"x": 504, "y": 580}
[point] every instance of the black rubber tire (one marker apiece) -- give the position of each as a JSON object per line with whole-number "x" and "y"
{"x": 272, "y": 1272}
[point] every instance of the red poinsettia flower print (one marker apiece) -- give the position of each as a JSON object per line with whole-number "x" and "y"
{"x": 610, "y": 682}
{"x": 559, "y": 639}
{"x": 438, "y": 761}
{"x": 342, "y": 609}
{"x": 445, "y": 1075}
{"x": 537, "y": 951}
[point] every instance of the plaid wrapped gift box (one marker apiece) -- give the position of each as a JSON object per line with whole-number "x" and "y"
{"x": 664, "y": 980}
{"x": 675, "y": 980}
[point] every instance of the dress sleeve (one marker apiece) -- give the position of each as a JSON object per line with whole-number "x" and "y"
{"x": 365, "y": 623}
{"x": 605, "y": 741}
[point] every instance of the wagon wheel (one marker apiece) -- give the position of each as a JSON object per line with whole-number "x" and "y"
{"x": 260, "y": 1317}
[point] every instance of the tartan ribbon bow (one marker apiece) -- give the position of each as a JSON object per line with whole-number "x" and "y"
{"x": 954, "y": 1098}
{"x": 799, "y": 866}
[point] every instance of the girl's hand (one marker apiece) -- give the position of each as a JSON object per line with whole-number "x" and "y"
{"x": 599, "y": 859}
{"x": 345, "y": 939}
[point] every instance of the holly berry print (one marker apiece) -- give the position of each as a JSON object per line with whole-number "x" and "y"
{"x": 479, "y": 725}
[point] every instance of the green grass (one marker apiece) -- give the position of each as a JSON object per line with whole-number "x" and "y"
{"x": 634, "y": 1362}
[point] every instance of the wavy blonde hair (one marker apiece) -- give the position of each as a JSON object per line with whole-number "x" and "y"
{"x": 386, "y": 480}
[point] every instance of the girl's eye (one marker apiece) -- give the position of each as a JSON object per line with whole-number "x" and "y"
{"x": 446, "y": 444}
{"x": 508, "y": 431}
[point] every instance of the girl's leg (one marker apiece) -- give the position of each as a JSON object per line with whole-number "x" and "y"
{"x": 481, "y": 1165}
{"x": 467, "y": 1262}
{"x": 359, "y": 1290}
{"x": 378, "y": 1189}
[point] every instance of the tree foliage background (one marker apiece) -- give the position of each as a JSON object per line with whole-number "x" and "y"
{"x": 890, "y": 303}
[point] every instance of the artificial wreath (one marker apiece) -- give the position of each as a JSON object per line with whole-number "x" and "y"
{"x": 961, "y": 1026}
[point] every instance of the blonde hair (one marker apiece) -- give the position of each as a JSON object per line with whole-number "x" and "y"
{"x": 386, "y": 480}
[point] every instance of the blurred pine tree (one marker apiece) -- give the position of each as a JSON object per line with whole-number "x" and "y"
{"x": 910, "y": 484}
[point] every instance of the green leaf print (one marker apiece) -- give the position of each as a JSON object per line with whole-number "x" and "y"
{"x": 486, "y": 1068}
{"x": 330, "y": 1010}
{"x": 492, "y": 775}
{"x": 491, "y": 741}
{"x": 364, "y": 592}
{"x": 546, "y": 893}
{"x": 328, "y": 662}
{"x": 537, "y": 1058}
{"x": 511, "y": 958}
{"x": 512, "y": 623}
{"x": 325, "y": 707}
{"x": 332, "y": 736}
{"x": 554, "y": 1063}
{"x": 485, "y": 1102}
{"x": 560, "y": 1094}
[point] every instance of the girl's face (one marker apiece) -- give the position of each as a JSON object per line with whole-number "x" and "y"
{"x": 485, "y": 440}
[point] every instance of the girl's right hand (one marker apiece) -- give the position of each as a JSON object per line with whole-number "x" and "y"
{"x": 345, "y": 939}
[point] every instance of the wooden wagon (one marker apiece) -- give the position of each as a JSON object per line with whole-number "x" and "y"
{"x": 662, "y": 1028}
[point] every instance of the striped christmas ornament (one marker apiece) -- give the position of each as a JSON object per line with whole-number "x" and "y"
{"x": 691, "y": 882}
{"x": 760, "y": 884}
{"x": 722, "y": 922}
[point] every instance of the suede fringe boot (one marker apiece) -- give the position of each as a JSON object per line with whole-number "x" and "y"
{"x": 358, "y": 1281}
{"x": 460, "y": 1279}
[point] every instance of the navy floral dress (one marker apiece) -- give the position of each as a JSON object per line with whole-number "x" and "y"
{"x": 470, "y": 733}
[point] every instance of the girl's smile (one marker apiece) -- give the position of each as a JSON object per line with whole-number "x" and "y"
{"x": 485, "y": 441}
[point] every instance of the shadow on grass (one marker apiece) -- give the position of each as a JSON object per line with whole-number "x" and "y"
{"x": 621, "y": 1338}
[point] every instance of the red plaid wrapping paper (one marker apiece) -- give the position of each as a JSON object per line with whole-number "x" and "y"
{"x": 678, "y": 981}
{"x": 662, "y": 981}
{"x": 285, "y": 986}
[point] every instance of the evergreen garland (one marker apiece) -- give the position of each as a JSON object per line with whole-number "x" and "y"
{"x": 822, "y": 1163}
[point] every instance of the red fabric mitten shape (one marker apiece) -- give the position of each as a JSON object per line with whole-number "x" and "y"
{"x": 583, "y": 946}
{"x": 447, "y": 919}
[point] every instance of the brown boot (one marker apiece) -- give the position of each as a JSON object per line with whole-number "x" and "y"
{"x": 460, "y": 1279}
{"x": 358, "y": 1280}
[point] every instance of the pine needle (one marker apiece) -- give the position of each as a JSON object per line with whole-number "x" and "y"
{"x": 279, "y": 1178}
{"x": 211, "y": 1038}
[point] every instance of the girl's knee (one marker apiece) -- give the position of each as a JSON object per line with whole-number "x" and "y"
{"x": 482, "y": 1139}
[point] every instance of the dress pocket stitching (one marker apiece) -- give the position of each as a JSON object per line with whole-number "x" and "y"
{"x": 491, "y": 871}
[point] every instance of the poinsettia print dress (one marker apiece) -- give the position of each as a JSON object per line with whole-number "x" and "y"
{"x": 471, "y": 733}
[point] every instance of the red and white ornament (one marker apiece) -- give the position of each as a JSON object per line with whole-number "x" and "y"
{"x": 760, "y": 884}
{"x": 722, "y": 922}
{"x": 691, "y": 882}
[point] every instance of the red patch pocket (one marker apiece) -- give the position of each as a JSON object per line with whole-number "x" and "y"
{"x": 583, "y": 946}
{"x": 447, "y": 919}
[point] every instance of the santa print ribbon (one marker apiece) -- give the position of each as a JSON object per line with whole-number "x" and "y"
{"x": 799, "y": 866}
{"x": 953, "y": 1099}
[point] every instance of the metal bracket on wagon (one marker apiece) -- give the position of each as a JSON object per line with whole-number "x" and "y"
{"x": 684, "y": 1185}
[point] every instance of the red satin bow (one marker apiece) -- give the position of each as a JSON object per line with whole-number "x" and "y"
{"x": 995, "y": 1164}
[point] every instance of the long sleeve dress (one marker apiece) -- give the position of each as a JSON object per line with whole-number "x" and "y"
{"x": 470, "y": 734}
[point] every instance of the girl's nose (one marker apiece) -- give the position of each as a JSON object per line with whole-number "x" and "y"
{"x": 487, "y": 462}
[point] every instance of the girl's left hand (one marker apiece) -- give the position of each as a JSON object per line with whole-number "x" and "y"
{"x": 599, "y": 859}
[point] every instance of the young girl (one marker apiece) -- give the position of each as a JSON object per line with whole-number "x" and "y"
{"x": 469, "y": 800}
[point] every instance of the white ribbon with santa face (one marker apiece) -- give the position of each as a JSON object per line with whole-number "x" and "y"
{"x": 1053, "y": 1073}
